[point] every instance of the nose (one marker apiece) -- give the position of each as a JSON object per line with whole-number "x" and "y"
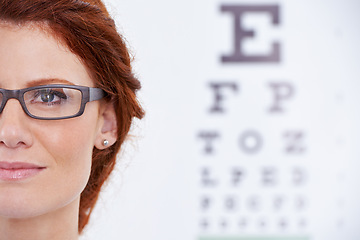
{"x": 14, "y": 127}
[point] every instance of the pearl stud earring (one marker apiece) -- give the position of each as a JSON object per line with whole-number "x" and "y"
{"x": 105, "y": 142}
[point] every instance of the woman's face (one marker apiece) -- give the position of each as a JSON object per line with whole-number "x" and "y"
{"x": 61, "y": 148}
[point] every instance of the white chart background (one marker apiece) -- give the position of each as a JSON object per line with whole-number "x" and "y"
{"x": 300, "y": 181}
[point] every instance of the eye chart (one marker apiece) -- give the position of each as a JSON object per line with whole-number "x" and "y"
{"x": 252, "y": 126}
{"x": 273, "y": 162}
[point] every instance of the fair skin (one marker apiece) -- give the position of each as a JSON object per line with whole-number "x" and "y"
{"x": 45, "y": 206}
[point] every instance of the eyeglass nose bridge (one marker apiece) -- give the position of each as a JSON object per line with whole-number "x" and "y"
{"x": 9, "y": 94}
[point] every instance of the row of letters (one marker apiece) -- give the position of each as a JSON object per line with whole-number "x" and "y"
{"x": 244, "y": 223}
{"x": 237, "y": 204}
{"x": 252, "y": 142}
{"x": 267, "y": 176}
{"x": 281, "y": 92}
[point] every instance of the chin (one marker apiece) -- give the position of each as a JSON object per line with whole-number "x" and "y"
{"x": 16, "y": 213}
{"x": 18, "y": 206}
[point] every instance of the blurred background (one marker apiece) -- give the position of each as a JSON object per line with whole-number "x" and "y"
{"x": 251, "y": 127}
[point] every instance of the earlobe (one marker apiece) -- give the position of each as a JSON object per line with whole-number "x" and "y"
{"x": 107, "y": 134}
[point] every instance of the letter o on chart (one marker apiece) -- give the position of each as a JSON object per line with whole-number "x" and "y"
{"x": 251, "y": 142}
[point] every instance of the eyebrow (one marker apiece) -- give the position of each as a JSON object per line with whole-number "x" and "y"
{"x": 45, "y": 81}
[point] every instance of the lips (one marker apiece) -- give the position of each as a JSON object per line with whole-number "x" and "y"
{"x": 14, "y": 171}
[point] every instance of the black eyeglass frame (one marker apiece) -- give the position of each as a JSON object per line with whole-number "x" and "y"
{"x": 88, "y": 94}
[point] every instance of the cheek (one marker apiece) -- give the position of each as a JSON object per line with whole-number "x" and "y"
{"x": 70, "y": 147}
{"x": 69, "y": 154}
{"x": 75, "y": 142}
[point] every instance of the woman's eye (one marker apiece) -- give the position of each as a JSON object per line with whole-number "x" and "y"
{"x": 49, "y": 96}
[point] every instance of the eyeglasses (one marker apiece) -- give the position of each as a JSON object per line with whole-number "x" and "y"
{"x": 52, "y": 102}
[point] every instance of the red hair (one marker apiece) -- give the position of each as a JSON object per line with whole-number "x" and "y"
{"x": 89, "y": 32}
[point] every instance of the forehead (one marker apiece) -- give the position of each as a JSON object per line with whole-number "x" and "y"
{"x": 29, "y": 52}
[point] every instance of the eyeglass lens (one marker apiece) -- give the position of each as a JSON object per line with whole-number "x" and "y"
{"x": 53, "y": 102}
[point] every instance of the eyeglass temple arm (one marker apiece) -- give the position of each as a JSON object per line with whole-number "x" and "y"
{"x": 96, "y": 94}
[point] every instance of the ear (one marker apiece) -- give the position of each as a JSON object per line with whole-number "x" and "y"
{"x": 107, "y": 127}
